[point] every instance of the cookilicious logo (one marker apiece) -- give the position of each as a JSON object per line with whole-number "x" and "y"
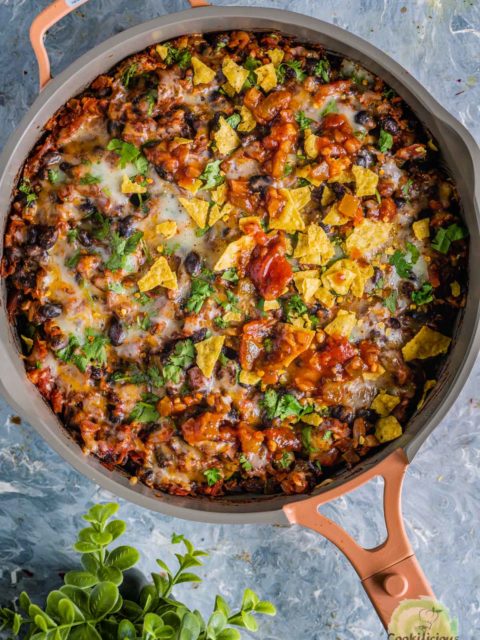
{"x": 423, "y": 619}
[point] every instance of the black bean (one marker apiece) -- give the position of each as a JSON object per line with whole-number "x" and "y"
{"x": 259, "y": 183}
{"x": 400, "y": 202}
{"x": 390, "y": 125}
{"x": 229, "y": 353}
{"x": 364, "y": 158}
{"x": 365, "y": 119}
{"x": 198, "y": 336}
{"x": 47, "y": 236}
{"x": 84, "y": 238}
{"x": 88, "y": 206}
{"x": 138, "y": 199}
{"x": 116, "y": 332}
{"x": 317, "y": 193}
{"x": 162, "y": 172}
{"x": 393, "y": 323}
{"x": 338, "y": 189}
{"x": 407, "y": 288}
{"x": 49, "y": 311}
{"x": 377, "y": 275}
{"x": 65, "y": 166}
{"x": 96, "y": 373}
{"x": 342, "y": 413}
{"x": 368, "y": 414}
{"x": 125, "y": 226}
{"x": 114, "y": 128}
{"x": 193, "y": 263}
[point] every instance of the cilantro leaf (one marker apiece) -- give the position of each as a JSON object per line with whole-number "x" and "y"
{"x": 294, "y": 307}
{"x": 201, "y": 290}
{"x": 182, "y": 358}
{"x": 93, "y": 350}
{"x": 391, "y": 302}
{"x": 230, "y": 275}
{"x": 234, "y": 120}
{"x": 212, "y": 475}
{"x": 444, "y": 237}
{"x": 128, "y": 74}
{"x": 53, "y": 176}
{"x": 330, "y": 107}
{"x": 295, "y": 65}
{"x": 303, "y": 121}
{"x": 401, "y": 264}
{"x": 144, "y": 412}
{"x": 283, "y": 407}
{"x": 121, "y": 249}
{"x": 322, "y": 69}
{"x": 424, "y": 295}
{"x": 414, "y": 252}
{"x": 26, "y": 188}
{"x": 385, "y": 141}
{"x": 128, "y": 153}
{"x": 286, "y": 460}
{"x": 211, "y": 176}
{"x": 72, "y": 261}
{"x": 244, "y": 463}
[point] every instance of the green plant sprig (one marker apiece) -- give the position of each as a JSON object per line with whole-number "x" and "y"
{"x": 89, "y": 605}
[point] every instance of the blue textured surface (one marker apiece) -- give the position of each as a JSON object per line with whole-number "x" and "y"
{"x": 318, "y": 595}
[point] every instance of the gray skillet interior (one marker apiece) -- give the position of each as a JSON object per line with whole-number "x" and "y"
{"x": 459, "y": 151}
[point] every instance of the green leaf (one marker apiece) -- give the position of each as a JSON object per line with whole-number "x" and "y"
{"x": 330, "y": 107}
{"x": 302, "y": 120}
{"x": 221, "y": 605}
{"x": 24, "y": 601}
{"x": 424, "y": 295}
{"x": 81, "y": 579}
{"x": 78, "y": 596}
{"x": 385, "y": 141}
{"x": 126, "y": 631}
{"x": 294, "y": 307}
{"x": 265, "y": 607}
{"x": 102, "y": 599}
{"x": 163, "y": 565}
{"x": 89, "y": 563}
{"x": 85, "y": 547}
{"x": 216, "y": 623}
{"x": 295, "y": 65}
{"x": 53, "y": 176}
{"x": 249, "y": 600}
{"x": 211, "y": 175}
{"x": 123, "y": 558}
{"x": 234, "y": 120}
{"x": 51, "y": 606}
{"x": 213, "y": 475}
{"x": 322, "y": 69}
{"x": 144, "y": 412}
{"x": 229, "y": 634}
{"x": 101, "y": 512}
{"x": 102, "y": 538}
{"x": 89, "y": 179}
{"x": 66, "y": 611}
{"x": 110, "y": 574}
{"x": 444, "y": 237}
{"x": 249, "y": 621}
{"x": 189, "y": 628}
{"x": 188, "y": 577}
{"x": 152, "y": 624}
{"x": 401, "y": 264}
{"x": 84, "y": 632}
{"x": 128, "y": 74}
{"x": 200, "y": 291}
{"x": 128, "y": 153}
{"x": 391, "y": 302}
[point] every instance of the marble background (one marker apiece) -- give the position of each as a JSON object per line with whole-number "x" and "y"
{"x": 316, "y": 591}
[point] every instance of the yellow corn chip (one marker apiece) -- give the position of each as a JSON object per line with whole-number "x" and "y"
{"x": 201, "y": 73}
{"x": 226, "y": 137}
{"x": 307, "y": 283}
{"x": 368, "y": 236}
{"x": 373, "y": 375}
{"x": 233, "y": 252}
{"x": 342, "y": 177}
{"x": 426, "y": 344}
{"x": 197, "y": 209}
{"x": 340, "y": 276}
{"x": 235, "y": 74}
{"x": 365, "y": 180}
{"x": 276, "y": 56}
{"x": 215, "y": 214}
{"x": 314, "y": 247}
{"x": 219, "y": 195}
{"x": 248, "y": 121}
{"x": 455, "y": 289}
{"x": 162, "y": 51}
{"x": 159, "y": 275}
{"x": 180, "y": 141}
{"x": 324, "y": 296}
{"x": 312, "y": 418}
{"x": 131, "y": 187}
{"x": 248, "y": 377}
{"x": 334, "y": 218}
{"x": 208, "y": 352}
{"x": 232, "y": 316}
{"x": 429, "y": 384}
{"x": 167, "y": 228}
{"x": 327, "y": 196}
{"x": 421, "y": 229}
{"x": 266, "y": 77}
{"x": 310, "y": 144}
{"x": 384, "y": 404}
{"x": 388, "y": 429}
{"x": 271, "y": 305}
{"x": 194, "y": 187}
{"x": 343, "y": 325}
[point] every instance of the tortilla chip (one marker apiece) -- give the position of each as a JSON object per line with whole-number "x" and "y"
{"x": 194, "y": 186}
{"x": 326, "y": 298}
{"x": 266, "y": 77}
{"x": 197, "y": 209}
{"x": 219, "y": 195}
{"x": 202, "y": 74}
{"x": 334, "y": 218}
{"x": 340, "y": 276}
{"x": 290, "y": 218}
{"x": 348, "y": 205}
{"x": 368, "y": 236}
{"x": 216, "y": 213}
{"x": 314, "y": 247}
{"x": 313, "y": 419}
{"x": 233, "y": 252}
{"x": 426, "y": 344}
{"x": 248, "y": 377}
{"x": 327, "y": 196}
{"x": 248, "y": 121}
{"x": 271, "y": 305}
{"x": 342, "y": 177}
{"x": 365, "y": 180}
{"x": 429, "y": 384}
{"x": 232, "y": 316}
{"x": 235, "y": 74}
{"x": 298, "y": 339}
{"x": 180, "y": 141}
{"x": 455, "y": 288}
{"x": 226, "y": 137}
{"x": 421, "y": 229}
{"x": 307, "y": 283}
{"x": 373, "y": 375}
{"x": 343, "y": 325}
{"x": 384, "y": 404}
{"x": 131, "y": 187}
{"x": 310, "y": 144}
{"x": 276, "y": 56}
{"x": 162, "y": 51}
{"x": 159, "y": 275}
{"x": 167, "y": 228}
{"x": 208, "y": 352}
{"x": 388, "y": 429}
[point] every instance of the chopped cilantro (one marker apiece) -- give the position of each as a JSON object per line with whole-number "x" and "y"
{"x": 307, "y": 439}
{"x": 406, "y": 188}
{"x": 294, "y": 307}
{"x": 72, "y": 235}
{"x": 303, "y": 121}
{"x": 182, "y": 357}
{"x": 93, "y": 350}
{"x": 27, "y": 190}
{"x": 283, "y": 407}
{"x": 424, "y": 295}
{"x": 212, "y": 475}
{"x": 322, "y": 69}
{"x": 296, "y": 66}
{"x": 201, "y": 290}
{"x": 403, "y": 261}
{"x": 444, "y": 237}
{"x": 234, "y": 120}
{"x": 116, "y": 287}
{"x": 230, "y": 275}
{"x": 128, "y": 74}
{"x": 53, "y": 176}
{"x": 72, "y": 261}
{"x": 330, "y": 107}
{"x": 211, "y": 175}
{"x": 286, "y": 460}
{"x": 144, "y": 412}
{"x": 89, "y": 179}
{"x": 121, "y": 250}
{"x": 128, "y": 153}
{"x": 288, "y": 170}
{"x": 101, "y": 226}
{"x": 385, "y": 141}
{"x": 221, "y": 323}
{"x": 391, "y": 302}
{"x": 414, "y": 252}
{"x": 151, "y": 99}
{"x": 244, "y": 463}
{"x": 182, "y": 57}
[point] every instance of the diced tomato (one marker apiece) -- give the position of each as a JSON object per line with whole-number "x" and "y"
{"x": 269, "y": 269}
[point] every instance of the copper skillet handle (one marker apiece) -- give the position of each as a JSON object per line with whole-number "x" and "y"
{"x": 47, "y": 18}
{"x": 390, "y": 572}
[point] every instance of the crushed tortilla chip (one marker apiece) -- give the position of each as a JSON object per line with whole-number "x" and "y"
{"x": 248, "y": 377}
{"x": 215, "y": 214}
{"x": 219, "y": 195}
{"x": 299, "y": 340}
{"x": 334, "y": 218}
{"x": 421, "y": 229}
{"x": 346, "y": 274}
{"x": 235, "y": 74}
{"x": 131, "y": 187}
{"x": 266, "y": 76}
{"x": 197, "y": 209}
{"x": 202, "y": 74}
{"x": 276, "y": 56}
{"x": 194, "y": 186}
{"x": 307, "y": 283}
{"x": 244, "y": 222}
{"x": 314, "y": 419}
{"x": 271, "y": 305}
{"x": 233, "y": 252}
{"x": 167, "y": 228}
{"x": 342, "y": 177}
{"x": 384, "y": 404}
{"x": 290, "y": 218}
{"x": 208, "y": 352}
{"x": 429, "y": 384}
{"x": 373, "y": 375}
{"x": 327, "y": 196}
{"x": 310, "y": 144}
{"x": 426, "y": 344}
{"x": 162, "y": 51}
{"x": 368, "y": 236}
{"x": 248, "y": 121}
{"x": 226, "y": 137}
{"x": 365, "y": 181}
{"x": 314, "y": 247}
{"x": 159, "y": 275}
{"x": 324, "y": 296}
{"x": 455, "y": 289}
{"x": 343, "y": 325}
{"x": 232, "y": 316}
{"x": 388, "y": 429}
